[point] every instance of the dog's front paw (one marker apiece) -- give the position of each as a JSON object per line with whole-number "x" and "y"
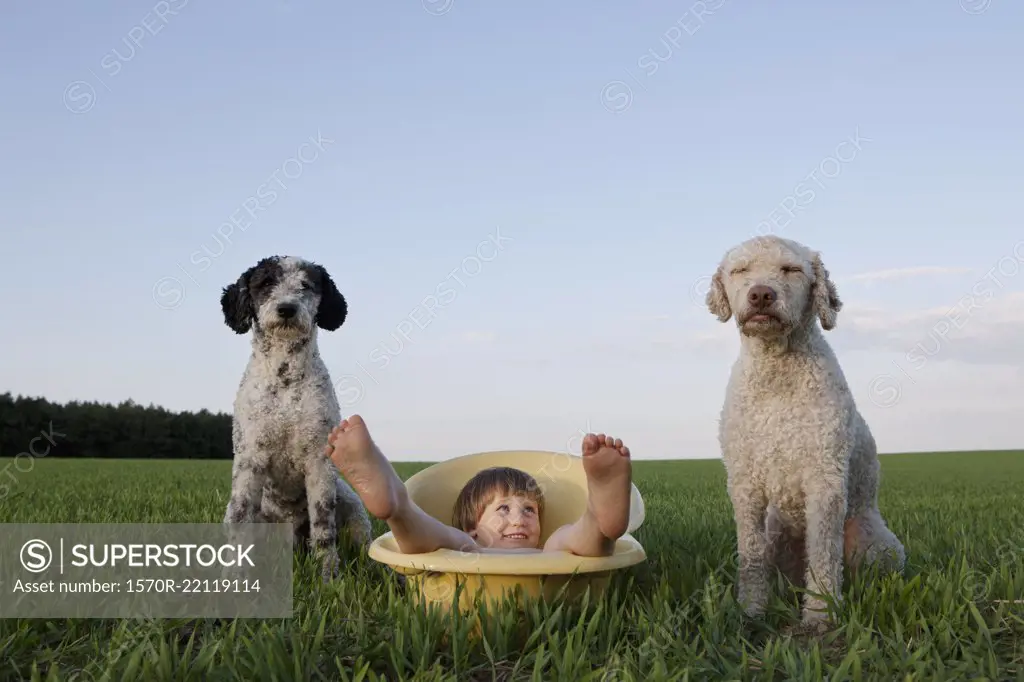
{"x": 330, "y": 564}
{"x": 753, "y": 597}
{"x": 815, "y": 616}
{"x": 753, "y": 608}
{"x": 360, "y": 531}
{"x": 815, "y": 619}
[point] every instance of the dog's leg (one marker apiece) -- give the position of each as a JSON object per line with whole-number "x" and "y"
{"x": 244, "y": 505}
{"x": 351, "y": 514}
{"x": 867, "y": 540}
{"x": 826, "y": 515}
{"x": 749, "y": 508}
{"x": 322, "y": 500}
{"x": 246, "y": 492}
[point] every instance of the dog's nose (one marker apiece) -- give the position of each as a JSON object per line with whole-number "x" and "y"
{"x": 286, "y": 310}
{"x": 761, "y": 296}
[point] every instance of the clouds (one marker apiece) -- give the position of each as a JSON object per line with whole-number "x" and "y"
{"x": 906, "y": 273}
{"x": 477, "y": 337}
{"x": 982, "y": 329}
{"x": 980, "y": 325}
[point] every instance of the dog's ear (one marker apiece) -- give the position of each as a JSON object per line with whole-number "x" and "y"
{"x": 824, "y": 295}
{"x": 236, "y": 304}
{"x": 716, "y": 299}
{"x": 333, "y": 309}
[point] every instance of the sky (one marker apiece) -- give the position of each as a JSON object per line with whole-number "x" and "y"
{"x": 562, "y": 181}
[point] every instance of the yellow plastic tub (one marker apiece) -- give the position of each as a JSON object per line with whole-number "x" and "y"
{"x": 435, "y": 575}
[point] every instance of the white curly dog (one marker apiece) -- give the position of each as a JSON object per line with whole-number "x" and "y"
{"x": 286, "y": 406}
{"x": 801, "y": 463}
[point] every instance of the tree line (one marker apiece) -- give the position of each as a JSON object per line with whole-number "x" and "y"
{"x": 128, "y": 430}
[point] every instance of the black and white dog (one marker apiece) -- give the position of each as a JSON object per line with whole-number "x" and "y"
{"x": 286, "y": 406}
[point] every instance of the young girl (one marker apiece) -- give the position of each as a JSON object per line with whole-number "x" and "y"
{"x": 499, "y": 510}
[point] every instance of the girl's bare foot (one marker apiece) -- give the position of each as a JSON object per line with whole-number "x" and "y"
{"x": 365, "y": 467}
{"x": 609, "y": 478}
{"x": 373, "y": 478}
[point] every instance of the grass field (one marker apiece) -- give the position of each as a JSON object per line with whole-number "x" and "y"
{"x": 951, "y": 616}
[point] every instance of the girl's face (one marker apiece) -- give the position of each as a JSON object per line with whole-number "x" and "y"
{"x": 509, "y": 522}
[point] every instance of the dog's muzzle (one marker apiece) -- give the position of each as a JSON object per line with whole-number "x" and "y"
{"x": 761, "y": 311}
{"x": 288, "y": 317}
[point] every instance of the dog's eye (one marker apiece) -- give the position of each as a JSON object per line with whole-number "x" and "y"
{"x": 262, "y": 281}
{"x": 306, "y": 285}
{"x": 791, "y": 268}
{"x": 737, "y": 271}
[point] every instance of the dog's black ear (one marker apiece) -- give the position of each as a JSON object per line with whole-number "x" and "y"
{"x": 236, "y": 304}
{"x": 333, "y": 308}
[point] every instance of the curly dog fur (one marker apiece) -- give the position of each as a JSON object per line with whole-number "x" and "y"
{"x": 802, "y": 466}
{"x": 286, "y": 406}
